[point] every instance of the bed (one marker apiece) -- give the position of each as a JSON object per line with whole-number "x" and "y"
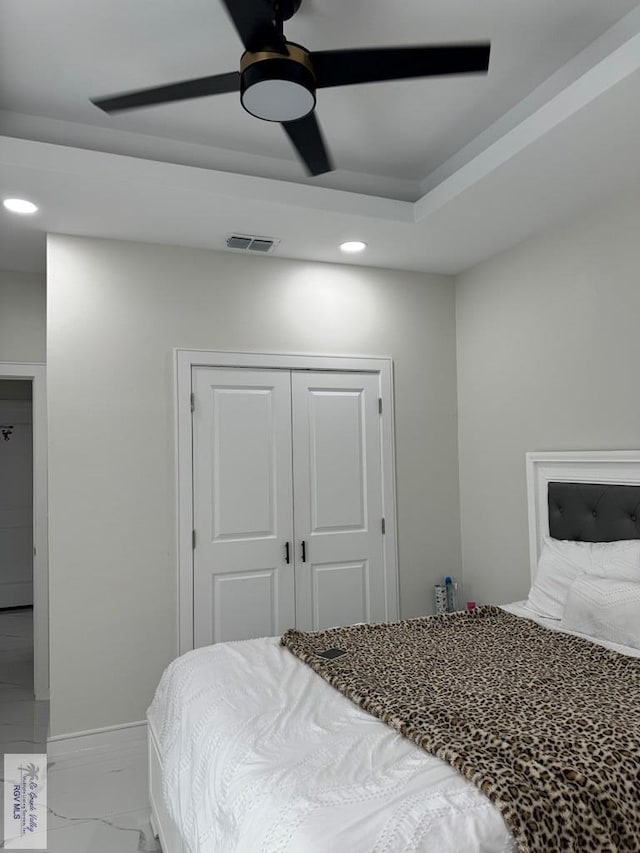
{"x": 250, "y": 750}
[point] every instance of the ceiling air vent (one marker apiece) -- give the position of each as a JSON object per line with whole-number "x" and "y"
{"x": 251, "y": 244}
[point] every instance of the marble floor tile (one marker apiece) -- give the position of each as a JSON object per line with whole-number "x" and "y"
{"x": 23, "y": 721}
{"x": 15, "y": 708}
{"x": 97, "y": 798}
{"x": 98, "y": 783}
{"x": 121, "y": 833}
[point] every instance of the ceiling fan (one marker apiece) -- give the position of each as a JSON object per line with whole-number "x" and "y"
{"x": 278, "y": 79}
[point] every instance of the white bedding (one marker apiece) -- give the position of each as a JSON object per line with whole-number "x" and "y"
{"x": 260, "y": 755}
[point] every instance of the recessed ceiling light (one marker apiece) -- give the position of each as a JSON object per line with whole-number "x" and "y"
{"x": 353, "y": 246}
{"x": 20, "y": 205}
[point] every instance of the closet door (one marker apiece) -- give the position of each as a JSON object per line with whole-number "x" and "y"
{"x": 337, "y": 465}
{"x": 242, "y": 498}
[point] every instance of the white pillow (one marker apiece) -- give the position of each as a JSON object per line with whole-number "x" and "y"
{"x": 559, "y": 565}
{"x": 620, "y": 560}
{"x": 562, "y": 561}
{"x": 604, "y": 608}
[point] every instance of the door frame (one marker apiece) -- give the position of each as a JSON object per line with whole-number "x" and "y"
{"x": 184, "y": 361}
{"x": 37, "y": 373}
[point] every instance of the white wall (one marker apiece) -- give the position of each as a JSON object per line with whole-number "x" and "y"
{"x": 22, "y": 316}
{"x": 548, "y": 350}
{"x": 115, "y": 312}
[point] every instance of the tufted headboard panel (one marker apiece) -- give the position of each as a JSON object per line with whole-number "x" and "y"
{"x": 593, "y": 512}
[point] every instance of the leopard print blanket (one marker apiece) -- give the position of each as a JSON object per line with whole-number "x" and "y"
{"x": 545, "y": 724}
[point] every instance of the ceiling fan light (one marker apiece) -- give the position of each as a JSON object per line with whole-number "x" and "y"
{"x": 277, "y": 90}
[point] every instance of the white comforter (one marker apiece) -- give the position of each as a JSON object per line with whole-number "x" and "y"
{"x": 261, "y": 755}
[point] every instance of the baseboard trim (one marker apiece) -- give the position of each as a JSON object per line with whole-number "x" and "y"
{"x": 110, "y": 737}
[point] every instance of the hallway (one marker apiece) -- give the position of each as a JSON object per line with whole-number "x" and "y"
{"x": 23, "y": 721}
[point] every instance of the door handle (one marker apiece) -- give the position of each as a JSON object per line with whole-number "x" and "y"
{"x": 286, "y": 553}
{"x": 304, "y": 552}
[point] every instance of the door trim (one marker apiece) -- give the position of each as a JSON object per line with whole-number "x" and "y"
{"x": 37, "y": 373}
{"x": 184, "y": 361}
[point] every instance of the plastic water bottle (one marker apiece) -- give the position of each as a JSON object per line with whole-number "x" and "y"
{"x": 451, "y": 588}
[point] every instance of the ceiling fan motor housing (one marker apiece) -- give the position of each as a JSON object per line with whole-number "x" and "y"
{"x": 276, "y": 86}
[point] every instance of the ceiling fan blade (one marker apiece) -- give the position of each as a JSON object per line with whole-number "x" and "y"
{"x": 371, "y": 64}
{"x": 254, "y": 21}
{"x": 219, "y": 84}
{"x": 306, "y": 136}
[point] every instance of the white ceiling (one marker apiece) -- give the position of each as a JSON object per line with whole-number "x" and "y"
{"x": 434, "y": 174}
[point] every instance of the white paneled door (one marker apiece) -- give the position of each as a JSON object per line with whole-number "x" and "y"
{"x": 287, "y": 501}
{"x": 337, "y": 500}
{"x": 243, "y": 506}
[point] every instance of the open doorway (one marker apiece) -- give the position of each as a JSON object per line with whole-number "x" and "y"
{"x": 16, "y": 537}
{"x": 24, "y": 623}
{"x": 16, "y": 495}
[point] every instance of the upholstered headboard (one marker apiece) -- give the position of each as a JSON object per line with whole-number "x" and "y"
{"x": 593, "y": 512}
{"x": 592, "y": 496}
